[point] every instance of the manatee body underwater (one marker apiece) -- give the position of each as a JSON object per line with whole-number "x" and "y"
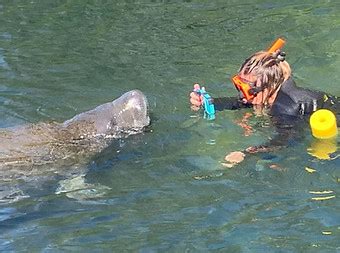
{"x": 45, "y": 149}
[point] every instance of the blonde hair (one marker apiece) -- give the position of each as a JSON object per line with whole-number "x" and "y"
{"x": 271, "y": 69}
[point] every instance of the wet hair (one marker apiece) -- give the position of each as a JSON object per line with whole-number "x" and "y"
{"x": 271, "y": 69}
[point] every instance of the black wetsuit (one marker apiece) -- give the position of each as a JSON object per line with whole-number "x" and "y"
{"x": 298, "y": 102}
{"x": 292, "y": 106}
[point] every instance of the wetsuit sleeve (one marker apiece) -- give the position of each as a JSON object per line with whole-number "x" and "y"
{"x": 229, "y": 103}
{"x": 332, "y": 103}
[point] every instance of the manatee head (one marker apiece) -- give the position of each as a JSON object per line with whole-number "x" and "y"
{"x": 127, "y": 114}
{"x": 130, "y": 112}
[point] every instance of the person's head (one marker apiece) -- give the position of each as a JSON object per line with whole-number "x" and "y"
{"x": 266, "y": 72}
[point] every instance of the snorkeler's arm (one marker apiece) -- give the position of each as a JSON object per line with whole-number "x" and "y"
{"x": 281, "y": 140}
{"x": 287, "y": 135}
{"x": 229, "y": 103}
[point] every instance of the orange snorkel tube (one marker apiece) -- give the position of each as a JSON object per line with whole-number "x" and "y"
{"x": 278, "y": 44}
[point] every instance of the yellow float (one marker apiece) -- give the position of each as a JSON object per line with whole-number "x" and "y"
{"x": 324, "y": 128}
{"x": 323, "y": 124}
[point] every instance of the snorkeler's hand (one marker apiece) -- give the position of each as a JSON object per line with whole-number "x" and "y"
{"x": 233, "y": 158}
{"x": 196, "y": 99}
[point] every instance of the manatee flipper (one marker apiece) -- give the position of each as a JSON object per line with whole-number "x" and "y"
{"x": 77, "y": 188}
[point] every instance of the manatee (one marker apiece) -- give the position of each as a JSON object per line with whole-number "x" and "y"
{"x": 36, "y": 149}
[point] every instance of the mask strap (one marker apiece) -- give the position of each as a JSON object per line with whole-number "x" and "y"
{"x": 254, "y": 91}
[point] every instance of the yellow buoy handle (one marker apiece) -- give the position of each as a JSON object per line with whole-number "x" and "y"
{"x": 323, "y": 124}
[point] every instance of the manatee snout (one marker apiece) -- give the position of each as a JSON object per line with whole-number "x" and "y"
{"x": 130, "y": 111}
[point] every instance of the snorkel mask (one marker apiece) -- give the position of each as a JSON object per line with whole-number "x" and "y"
{"x": 248, "y": 90}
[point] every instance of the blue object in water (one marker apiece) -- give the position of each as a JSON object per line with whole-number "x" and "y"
{"x": 208, "y": 105}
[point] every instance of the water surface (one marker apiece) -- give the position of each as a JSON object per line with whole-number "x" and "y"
{"x": 165, "y": 190}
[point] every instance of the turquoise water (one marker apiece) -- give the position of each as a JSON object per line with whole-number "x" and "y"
{"x": 166, "y": 190}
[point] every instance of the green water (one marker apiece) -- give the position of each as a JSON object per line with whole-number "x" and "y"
{"x": 165, "y": 190}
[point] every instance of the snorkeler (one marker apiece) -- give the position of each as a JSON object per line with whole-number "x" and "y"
{"x": 265, "y": 83}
